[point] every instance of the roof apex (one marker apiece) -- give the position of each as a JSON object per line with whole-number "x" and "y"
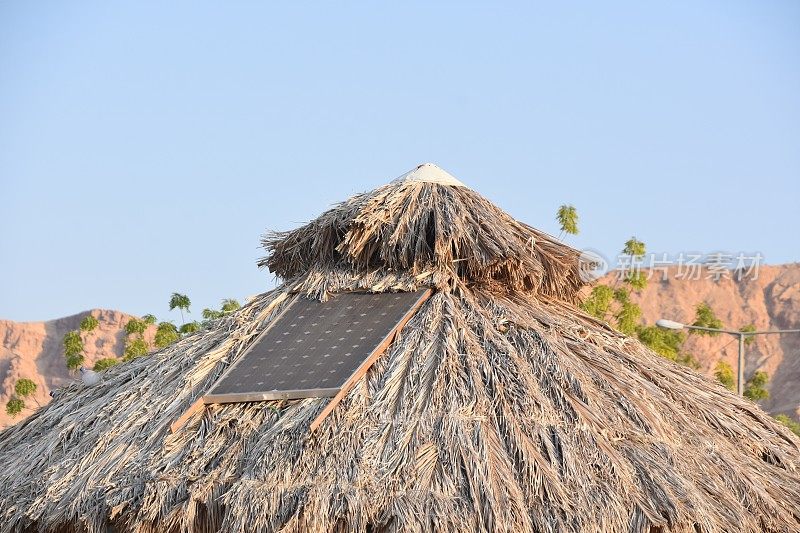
{"x": 430, "y": 173}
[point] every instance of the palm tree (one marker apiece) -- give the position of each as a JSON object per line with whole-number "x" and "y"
{"x": 567, "y": 217}
{"x": 181, "y": 301}
{"x": 230, "y": 305}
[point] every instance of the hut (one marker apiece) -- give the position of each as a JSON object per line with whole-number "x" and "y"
{"x": 499, "y": 406}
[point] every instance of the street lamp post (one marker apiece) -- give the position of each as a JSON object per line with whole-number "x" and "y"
{"x": 671, "y": 324}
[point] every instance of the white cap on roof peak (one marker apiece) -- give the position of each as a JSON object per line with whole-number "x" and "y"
{"x": 430, "y": 173}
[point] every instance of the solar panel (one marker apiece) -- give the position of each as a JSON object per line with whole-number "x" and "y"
{"x": 314, "y": 348}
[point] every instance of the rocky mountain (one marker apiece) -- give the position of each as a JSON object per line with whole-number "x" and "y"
{"x": 768, "y": 300}
{"x": 34, "y": 350}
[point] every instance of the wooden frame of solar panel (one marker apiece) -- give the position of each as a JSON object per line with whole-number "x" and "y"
{"x": 295, "y": 325}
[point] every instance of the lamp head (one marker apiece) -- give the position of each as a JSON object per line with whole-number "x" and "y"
{"x": 668, "y": 324}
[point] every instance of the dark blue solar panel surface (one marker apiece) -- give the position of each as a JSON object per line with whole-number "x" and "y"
{"x": 314, "y": 347}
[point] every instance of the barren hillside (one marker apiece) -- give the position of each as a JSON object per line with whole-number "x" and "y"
{"x": 770, "y": 301}
{"x": 33, "y": 350}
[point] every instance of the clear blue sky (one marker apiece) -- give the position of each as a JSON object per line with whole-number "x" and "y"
{"x": 145, "y": 148}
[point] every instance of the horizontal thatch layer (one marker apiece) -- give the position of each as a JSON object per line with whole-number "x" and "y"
{"x": 489, "y": 413}
{"x": 449, "y": 235}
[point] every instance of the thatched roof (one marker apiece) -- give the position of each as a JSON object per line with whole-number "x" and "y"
{"x": 500, "y": 407}
{"x": 424, "y": 228}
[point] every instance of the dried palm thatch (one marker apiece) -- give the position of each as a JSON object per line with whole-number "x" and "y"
{"x": 445, "y": 236}
{"x": 501, "y": 407}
